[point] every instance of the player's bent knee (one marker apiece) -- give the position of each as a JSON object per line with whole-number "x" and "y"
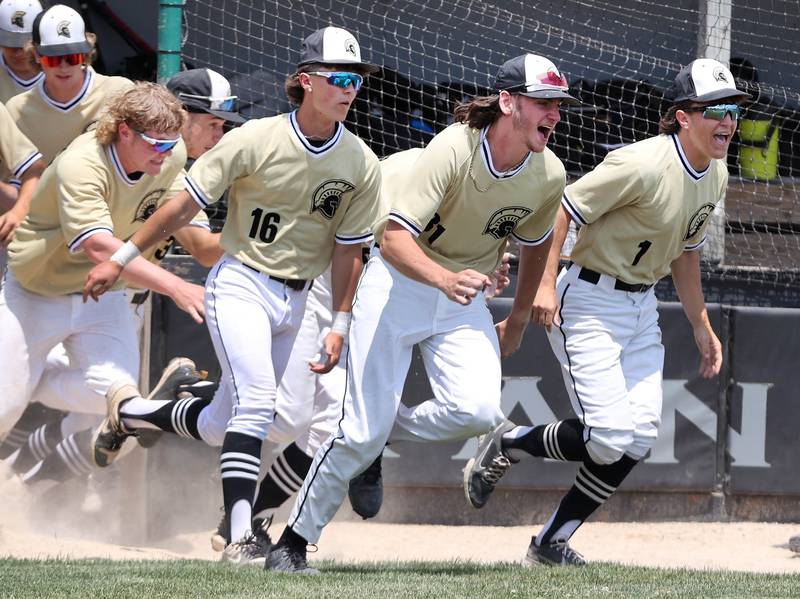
{"x": 608, "y": 446}
{"x": 482, "y": 418}
{"x": 641, "y": 445}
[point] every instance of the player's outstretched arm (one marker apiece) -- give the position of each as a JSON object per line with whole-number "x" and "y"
{"x": 165, "y": 221}
{"x": 545, "y": 304}
{"x": 10, "y": 220}
{"x": 686, "y": 276}
{"x": 201, "y": 243}
{"x": 400, "y": 249}
{"x": 142, "y": 273}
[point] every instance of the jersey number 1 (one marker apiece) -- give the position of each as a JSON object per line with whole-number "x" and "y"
{"x": 643, "y": 247}
{"x": 266, "y": 228}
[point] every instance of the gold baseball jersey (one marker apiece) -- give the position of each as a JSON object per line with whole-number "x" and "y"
{"x": 641, "y": 207}
{"x": 52, "y": 125}
{"x": 11, "y": 84}
{"x": 17, "y": 153}
{"x": 85, "y": 191}
{"x": 289, "y": 201}
{"x": 460, "y": 208}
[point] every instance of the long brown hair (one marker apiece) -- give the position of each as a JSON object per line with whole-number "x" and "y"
{"x": 479, "y": 112}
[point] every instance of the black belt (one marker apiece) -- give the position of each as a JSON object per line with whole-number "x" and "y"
{"x": 140, "y": 297}
{"x": 593, "y": 277}
{"x": 295, "y": 284}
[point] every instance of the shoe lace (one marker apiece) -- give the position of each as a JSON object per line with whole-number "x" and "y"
{"x": 570, "y": 555}
{"x": 495, "y": 471}
{"x": 249, "y": 545}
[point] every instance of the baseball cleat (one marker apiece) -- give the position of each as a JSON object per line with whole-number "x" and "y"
{"x": 482, "y": 472}
{"x": 108, "y": 438}
{"x": 794, "y": 544}
{"x": 244, "y": 552}
{"x": 219, "y": 540}
{"x": 291, "y": 560}
{"x": 366, "y": 490}
{"x": 179, "y": 371}
{"x": 553, "y": 554}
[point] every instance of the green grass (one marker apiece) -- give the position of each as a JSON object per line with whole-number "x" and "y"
{"x": 102, "y": 578}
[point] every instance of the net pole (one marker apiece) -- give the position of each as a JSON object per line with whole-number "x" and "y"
{"x": 715, "y": 42}
{"x": 170, "y": 18}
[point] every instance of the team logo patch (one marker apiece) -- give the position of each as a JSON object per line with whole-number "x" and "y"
{"x": 18, "y": 18}
{"x": 502, "y": 223}
{"x": 698, "y": 219}
{"x": 328, "y": 196}
{"x": 63, "y": 29}
{"x": 719, "y": 75}
{"x": 148, "y": 205}
{"x": 350, "y": 46}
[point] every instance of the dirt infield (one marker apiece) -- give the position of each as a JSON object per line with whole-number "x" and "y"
{"x": 755, "y": 547}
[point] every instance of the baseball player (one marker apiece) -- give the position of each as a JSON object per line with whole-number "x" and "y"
{"x": 68, "y": 100}
{"x": 303, "y": 193}
{"x": 64, "y": 387}
{"x": 19, "y": 71}
{"x": 643, "y": 212}
{"x": 447, "y": 212}
{"x": 99, "y": 190}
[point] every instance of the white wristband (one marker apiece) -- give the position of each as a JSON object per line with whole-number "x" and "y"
{"x": 125, "y": 254}
{"x": 341, "y": 323}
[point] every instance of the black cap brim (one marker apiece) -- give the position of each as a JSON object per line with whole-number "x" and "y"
{"x": 552, "y": 94}
{"x": 63, "y": 49}
{"x": 231, "y": 117}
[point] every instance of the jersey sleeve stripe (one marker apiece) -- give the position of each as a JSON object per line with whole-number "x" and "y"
{"x": 195, "y": 192}
{"x": 573, "y": 210}
{"x": 15, "y": 183}
{"x": 200, "y": 223}
{"x": 407, "y": 224}
{"x": 26, "y": 164}
{"x": 75, "y": 244}
{"x": 696, "y": 246}
{"x": 542, "y": 239}
{"x": 366, "y": 238}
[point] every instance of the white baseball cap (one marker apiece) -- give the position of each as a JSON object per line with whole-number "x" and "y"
{"x": 334, "y": 46}
{"x": 704, "y": 80}
{"x": 533, "y": 76}
{"x": 16, "y": 22}
{"x": 58, "y": 31}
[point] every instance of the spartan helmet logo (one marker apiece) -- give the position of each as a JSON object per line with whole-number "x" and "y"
{"x": 698, "y": 219}
{"x": 501, "y": 224}
{"x": 18, "y": 19}
{"x": 63, "y": 29}
{"x": 350, "y": 45}
{"x": 328, "y": 196}
{"x": 148, "y": 205}
{"x": 719, "y": 75}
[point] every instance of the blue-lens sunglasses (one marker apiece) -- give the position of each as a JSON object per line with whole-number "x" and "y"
{"x": 341, "y": 79}
{"x": 159, "y": 145}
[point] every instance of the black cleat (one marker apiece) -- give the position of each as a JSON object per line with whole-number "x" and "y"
{"x": 291, "y": 560}
{"x": 482, "y": 472}
{"x": 553, "y": 554}
{"x": 108, "y": 438}
{"x": 366, "y": 490}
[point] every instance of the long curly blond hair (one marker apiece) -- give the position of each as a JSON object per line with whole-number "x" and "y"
{"x": 144, "y": 107}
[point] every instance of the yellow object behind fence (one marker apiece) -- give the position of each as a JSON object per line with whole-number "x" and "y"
{"x": 758, "y": 150}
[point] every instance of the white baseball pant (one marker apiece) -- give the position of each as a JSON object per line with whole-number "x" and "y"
{"x": 611, "y": 356}
{"x": 459, "y": 348}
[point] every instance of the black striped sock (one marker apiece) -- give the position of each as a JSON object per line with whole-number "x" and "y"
{"x": 179, "y": 416}
{"x": 71, "y": 458}
{"x": 240, "y": 462}
{"x": 284, "y": 479}
{"x": 594, "y": 484}
{"x": 38, "y": 446}
{"x": 560, "y": 440}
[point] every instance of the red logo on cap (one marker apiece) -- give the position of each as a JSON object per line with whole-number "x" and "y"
{"x": 553, "y": 77}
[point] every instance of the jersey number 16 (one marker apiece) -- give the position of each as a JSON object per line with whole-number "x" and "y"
{"x": 267, "y": 227}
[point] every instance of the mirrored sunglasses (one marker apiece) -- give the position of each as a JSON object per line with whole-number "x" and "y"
{"x": 54, "y": 61}
{"x": 224, "y": 103}
{"x": 717, "y": 112}
{"x": 341, "y": 79}
{"x": 159, "y": 145}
